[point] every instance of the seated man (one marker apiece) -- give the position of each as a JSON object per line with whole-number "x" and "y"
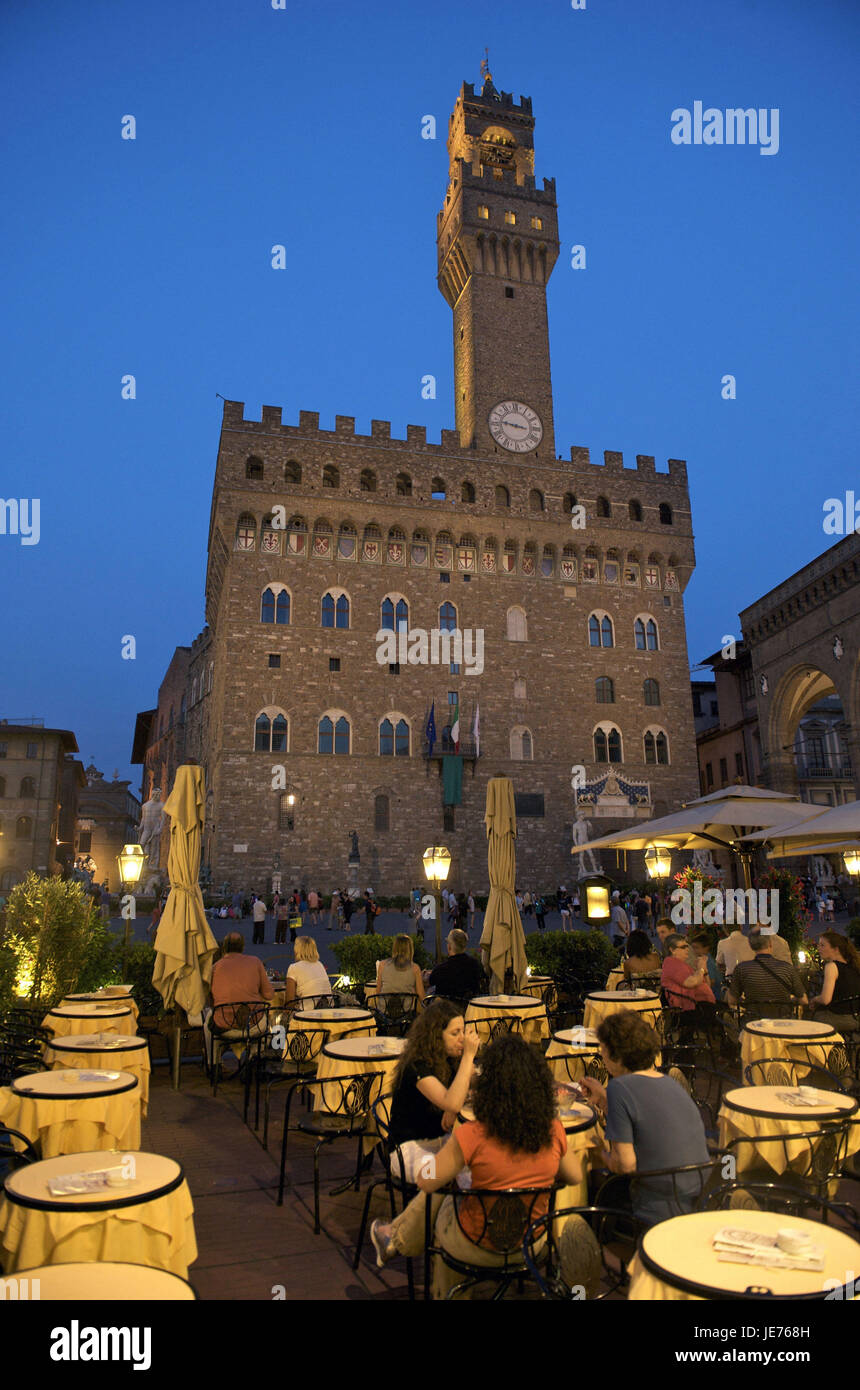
{"x": 731, "y": 950}
{"x": 459, "y": 976}
{"x": 237, "y": 978}
{"x": 767, "y": 987}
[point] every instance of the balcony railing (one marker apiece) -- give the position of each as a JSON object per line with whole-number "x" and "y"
{"x": 824, "y": 771}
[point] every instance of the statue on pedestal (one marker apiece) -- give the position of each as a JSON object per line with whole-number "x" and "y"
{"x": 149, "y": 838}
{"x": 581, "y": 833}
{"x": 703, "y": 859}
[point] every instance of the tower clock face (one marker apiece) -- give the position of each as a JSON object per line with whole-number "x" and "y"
{"x": 515, "y": 426}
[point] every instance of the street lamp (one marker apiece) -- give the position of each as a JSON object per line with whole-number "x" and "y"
{"x": 131, "y": 863}
{"x": 437, "y": 862}
{"x": 594, "y": 892}
{"x": 658, "y": 864}
{"x": 851, "y": 860}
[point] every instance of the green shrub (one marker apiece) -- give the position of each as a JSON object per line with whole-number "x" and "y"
{"x": 357, "y": 955}
{"x": 853, "y": 930}
{"x": 8, "y": 972}
{"x": 100, "y": 964}
{"x": 56, "y": 934}
{"x": 584, "y": 956}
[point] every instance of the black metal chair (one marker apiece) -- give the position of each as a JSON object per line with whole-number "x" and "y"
{"x": 496, "y": 1220}
{"x": 15, "y": 1151}
{"x": 814, "y": 1167}
{"x": 706, "y": 1086}
{"x": 495, "y": 1025}
{"x": 740, "y": 1193}
{"x": 292, "y": 1065}
{"x": 785, "y": 1071}
{"x": 394, "y": 1013}
{"x": 616, "y": 1232}
{"x": 243, "y": 1027}
{"x": 679, "y": 1190}
{"x": 394, "y": 1180}
{"x": 345, "y": 1102}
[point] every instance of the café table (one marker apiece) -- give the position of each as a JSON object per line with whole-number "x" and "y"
{"x": 336, "y": 1023}
{"x": 569, "y": 1052}
{"x": 146, "y": 1219}
{"x": 523, "y": 1006}
{"x": 110, "y": 993}
{"x": 676, "y": 1260}
{"x": 604, "y": 1002}
{"x": 96, "y": 1281}
{"x": 615, "y": 978}
{"x": 358, "y": 1056}
{"x": 793, "y": 1039}
{"x": 111, "y": 1016}
{"x": 541, "y": 987}
{"x": 102, "y": 1052}
{"x": 72, "y": 1111}
{"x": 751, "y": 1112}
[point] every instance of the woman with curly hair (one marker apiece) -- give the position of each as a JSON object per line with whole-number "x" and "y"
{"x": 515, "y": 1140}
{"x": 433, "y": 1076}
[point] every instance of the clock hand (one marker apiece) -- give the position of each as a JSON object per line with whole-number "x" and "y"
{"x": 514, "y": 425}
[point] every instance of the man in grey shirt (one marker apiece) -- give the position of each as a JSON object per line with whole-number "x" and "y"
{"x": 764, "y": 981}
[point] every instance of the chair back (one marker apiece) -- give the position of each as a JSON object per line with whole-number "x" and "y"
{"x": 302, "y": 1046}
{"x": 348, "y": 1097}
{"x": 545, "y": 1263}
{"x": 243, "y": 1017}
{"x": 816, "y": 1156}
{"x": 797, "y": 1202}
{"x": 15, "y": 1150}
{"x": 679, "y": 1190}
{"x": 495, "y": 1026}
{"x": 499, "y": 1219}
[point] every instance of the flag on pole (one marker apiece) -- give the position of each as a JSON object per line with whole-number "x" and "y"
{"x": 430, "y": 730}
{"x": 455, "y": 727}
{"x": 476, "y": 731}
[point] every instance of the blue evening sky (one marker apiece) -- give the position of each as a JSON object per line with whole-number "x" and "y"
{"x": 302, "y": 126}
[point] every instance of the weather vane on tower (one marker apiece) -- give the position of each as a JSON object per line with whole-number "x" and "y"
{"x": 485, "y": 67}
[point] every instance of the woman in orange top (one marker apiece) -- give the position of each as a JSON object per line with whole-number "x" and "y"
{"x": 515, "y": 1140}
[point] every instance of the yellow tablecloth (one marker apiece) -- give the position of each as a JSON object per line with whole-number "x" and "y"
{"x": 133, "y": 1058}
{"x": 101, "y": 996}
{"x": 682, "y": 1248}
{"x": 542, "y": 987}
{"x": 531, "y": 1011}
{"x": 615, "y": 978}
{"x": 569, "y": 1051}
{"x": 78, "y": 1123}
{"x": 601, "y": 1004}
{"x": 159, "y": 1233}
{"x": 798, "y": 1040}
{"x": 93, "y": 1282}
{"x": 581, "y": 1141}
{"x": 357, "y": 1056}
{"x": 335, "y": 1023}
{"x": 70, "y": 1020}
{"x": 775, "y": 1117}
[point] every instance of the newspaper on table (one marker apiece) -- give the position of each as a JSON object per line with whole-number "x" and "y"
{"x": 734, "y": 1245}
{"x": 73, "y": 1184}
{"x": 794, "y": 1098}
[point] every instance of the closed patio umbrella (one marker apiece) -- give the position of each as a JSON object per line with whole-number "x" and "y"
{"x": 503, "y": 941}
{"x": 184, "y": 944}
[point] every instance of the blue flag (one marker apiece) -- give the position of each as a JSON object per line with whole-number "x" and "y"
{"x": 430, "y": 730}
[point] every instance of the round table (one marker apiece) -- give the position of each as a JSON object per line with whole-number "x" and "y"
{"x": 750, "y": 1112}
{"x": 73, "y": 1112}
{"x": 604, "y": 1002}
{"x": 336, "y": 1023}
{"x": 112, "y": 1016}
{"x": 148, "y": 1220}
{"x": 795, "y": 1039}
{"x": 522, "y": 1006}
{"x": 676, "y": 1260}
{"x": 570, "y": 1050}
{"x": 104, "y": 1281}
{"x": 615, "y": 978}
{"x": 357, "y": 1056}
{"x": 583, "y": 1134}
{"x": 117, "y": 994}
{"x": 541, "y": 987}
{"x": 102, "y": 1052}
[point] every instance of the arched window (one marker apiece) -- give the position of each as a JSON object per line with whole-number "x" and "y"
{"x": 517, "y": 626}
{"x": 394, "y": 739}
{"x": 468, "y": 492}
{"x": 28, "y": 788}
{"x": 527, "y": 746}
{"x": 594, "y": 631}
{"x": 568, "y": 502}
{"x": 603, "y": 507}
{"x": 367, "y": 481}
{"x": 380, "y": 812}
{"x": 279, "y": 734}
{"x": 292, "y": 472}
{"x": 604, "y": 691}
{"x": 246, "y": 532}
{"x": 331, "y": 476}
{"x": 23, "y": 828}
{"x": 403, "y": 485}
{"x": 262, "y": 734}
{"x": 635, "y": 510}
{"x": 275, "y": 606}
{"x": 333, "y": 736}
{"x": 437, "y": 490}
{"x": 639, "y": 634}
{"x": 656, "y": 747}
{"x": 600, "y": 633}
{"x": 447, "y": 617}
{"x": 651, "y": 635}
{"x": 254, "y": 468}
{"x": 536, "y": 502}
{"x": 271, "y": 732}
{"x": 335, "y": 610}
{"x": 651, "y": 691}
{"x": 665, "y": 514}
{"x": 645, "y": 635}
{"x": 607, "y": 745}
{"x": 521, "y": 745}
{"x": 394, "y": 617}
{"x": 503, "y": 497}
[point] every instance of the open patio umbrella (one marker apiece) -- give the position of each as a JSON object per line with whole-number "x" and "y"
{"x": 722, "y": 819}
{"x": 820, "y": 829}
{"x": 503, "y": 940}
{"x": 184, "y": 944}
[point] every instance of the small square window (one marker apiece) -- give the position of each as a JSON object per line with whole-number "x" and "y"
{"x": 452, "y": 697}
{"x": 667, "y": 602}
{"x": 334, "y": 663}
{"x": 511, "y": 219}
{"x": 483, "y": 210}
{"x": 444, "y": 578}
{"x": 509, "y": 294}
{"x": 32, "y": 750}
{"x": 394, "y": 668}
{"x": 455, "y": 669}
{"x": 274, "y": 660}
{"x": 537, "y": 224}
{"x": 467, "y": 579}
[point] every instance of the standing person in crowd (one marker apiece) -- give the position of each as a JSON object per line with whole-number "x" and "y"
{"x": 619, "y": 923}
{"x": 519, "y": 900}
{"x": 282, "y": 917}
{"x": 643, "y": 912}
{"x": 314, "y": 906}
{"x": 528, "y": 904}
{"x": 371, "y": 911}
{"x": 258, "y": 912}
{"x": 471, "y": 910}
{"x": 540, "y": 911}
{"x": 348, "y": 907}
{"x": 563, "y": 901}
{"x": 576, "y": 903}
{"x": 732, "y": 948}
{"x": 841, "y": 982}
{"x": 304, "y": 907}
{"x": 334, "y": 910}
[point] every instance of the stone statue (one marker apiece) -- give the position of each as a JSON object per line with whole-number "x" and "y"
{"x": 703, "y": 859}
{"x": 823, "y": 870}
{"x": 353, "y": 853}
{"x": 149, "y": 830}
{"x": 581, "y": 832}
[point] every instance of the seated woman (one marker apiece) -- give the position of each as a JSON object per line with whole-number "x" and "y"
{"x": 640, "y": 956}
{"x": 841, "y": 982}
{"x": 399, "y": 974}
{"x": 431, "y": 1081}
{"x": 515, "y": 1140}
{"x": 687, "y": 989}
{"x": 651, "y": 1121}
{"x": 307, "y": 978}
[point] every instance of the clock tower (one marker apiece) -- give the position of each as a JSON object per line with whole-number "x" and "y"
{"x": 497, "y": 239}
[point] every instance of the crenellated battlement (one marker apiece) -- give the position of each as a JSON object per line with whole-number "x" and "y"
{"x": 488, "y": 178}
{"x": 449, "y": 443}
{"x": 505, "y": 99}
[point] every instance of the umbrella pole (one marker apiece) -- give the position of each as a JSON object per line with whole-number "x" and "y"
{"x": 437, "y": 904}
{"x": 177, "y": 1047}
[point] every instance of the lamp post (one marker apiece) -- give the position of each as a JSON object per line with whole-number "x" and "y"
{"x": 437, "y": 862}
{"x": 658, "y": 863}
{"x": 851, "y": 860}
{"x": 131, "y": 863}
